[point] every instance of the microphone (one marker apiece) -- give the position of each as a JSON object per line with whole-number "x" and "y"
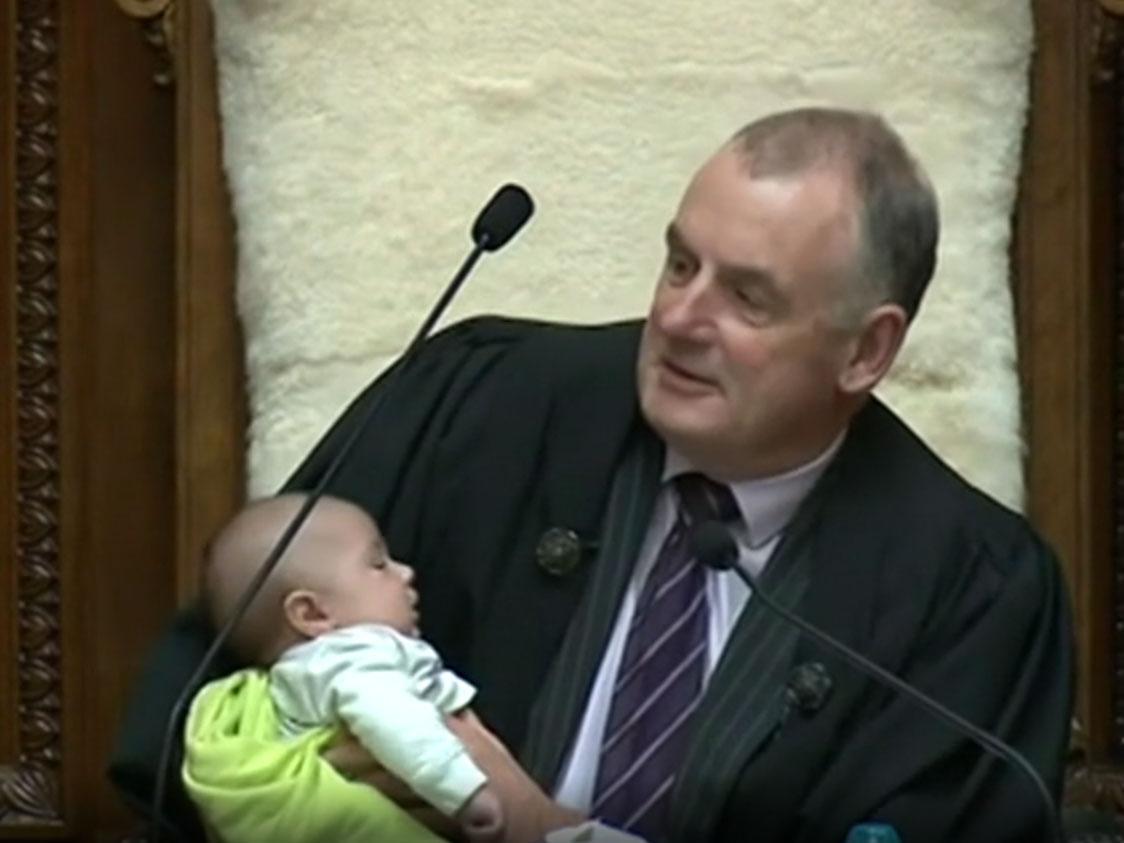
{"x": 503, "y": 216}
{"x": 715, "y": 548}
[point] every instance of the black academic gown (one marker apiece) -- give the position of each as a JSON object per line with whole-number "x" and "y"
{"x": 503, "y": 428}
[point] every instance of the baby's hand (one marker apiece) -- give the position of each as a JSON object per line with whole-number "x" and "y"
{"x": 481, "y": 817}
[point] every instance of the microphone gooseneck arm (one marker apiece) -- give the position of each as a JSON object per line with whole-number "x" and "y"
{"x": 715, "y": 548}
{"x": 501, "y": 218}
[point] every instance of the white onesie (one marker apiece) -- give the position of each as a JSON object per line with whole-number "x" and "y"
{"x": 391, "y": 692}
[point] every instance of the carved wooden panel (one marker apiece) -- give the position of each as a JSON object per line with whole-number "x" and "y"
{"x": 1112, "y": 49}
{"x": 1107, "y": 121}
{"x": 29, "y": 783}
{"x": 87, "y": 579}
{"x": 157, "y": 21}
{"x": 1106, "y": 118}
{"x": 1070, "y": 267}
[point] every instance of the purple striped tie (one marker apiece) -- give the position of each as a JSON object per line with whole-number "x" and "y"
{"x": 660, "y": 678}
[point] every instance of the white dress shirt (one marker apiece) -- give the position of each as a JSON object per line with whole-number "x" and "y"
{"x": 766, "y": 506}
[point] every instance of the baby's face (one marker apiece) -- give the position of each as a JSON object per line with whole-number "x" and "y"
{"x": 370, "y": 587}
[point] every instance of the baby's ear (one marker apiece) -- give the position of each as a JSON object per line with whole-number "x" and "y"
{"x": 305, "y": 613}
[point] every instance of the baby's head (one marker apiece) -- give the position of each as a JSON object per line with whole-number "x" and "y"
{"x": 336, "y": 572}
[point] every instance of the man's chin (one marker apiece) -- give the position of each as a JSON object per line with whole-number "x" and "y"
{"x": 681, "y": 425}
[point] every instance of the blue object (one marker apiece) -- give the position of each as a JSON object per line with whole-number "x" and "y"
{"x": 873, "y": 833}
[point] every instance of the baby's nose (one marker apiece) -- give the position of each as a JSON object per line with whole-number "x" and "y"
{"x": 406, "y": 572}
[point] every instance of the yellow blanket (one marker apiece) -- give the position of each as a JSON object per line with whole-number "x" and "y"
{"x": 250, "y": 786}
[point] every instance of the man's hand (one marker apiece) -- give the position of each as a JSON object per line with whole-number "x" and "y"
{"x": 529, "y": 812}
{"x": 352, "y": 761}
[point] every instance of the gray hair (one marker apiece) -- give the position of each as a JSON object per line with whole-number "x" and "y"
{"x": 898, "y": 217}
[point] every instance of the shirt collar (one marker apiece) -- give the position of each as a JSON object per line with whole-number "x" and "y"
{"x": 766, "y": 504}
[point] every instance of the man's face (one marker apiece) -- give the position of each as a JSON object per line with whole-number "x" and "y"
{"x": 366, "y": 585}
{"x": 740, "y": 358}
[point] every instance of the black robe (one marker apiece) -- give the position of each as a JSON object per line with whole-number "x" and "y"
{"x": 504, "y": 428}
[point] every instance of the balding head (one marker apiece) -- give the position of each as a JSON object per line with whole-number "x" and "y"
{"x": 896, "y": 206}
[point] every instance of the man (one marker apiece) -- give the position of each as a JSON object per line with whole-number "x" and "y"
{"x": 541, "y": 504}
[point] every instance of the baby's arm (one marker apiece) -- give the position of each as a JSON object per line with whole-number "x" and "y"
{"x": 358, "y": 676}
{"x": 406, "y": 735}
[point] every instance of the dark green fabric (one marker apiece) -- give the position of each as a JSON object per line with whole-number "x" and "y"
{"x": 557, "y": 712}
{"x": 744, "y": 702}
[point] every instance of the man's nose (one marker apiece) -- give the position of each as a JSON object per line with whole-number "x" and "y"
{"x": 687, "y": 309}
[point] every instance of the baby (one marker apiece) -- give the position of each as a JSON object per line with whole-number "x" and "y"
{"x": 336, "y": 624}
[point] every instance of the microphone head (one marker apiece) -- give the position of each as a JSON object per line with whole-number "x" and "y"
{"x": 713, "y": 545}
{"x": 504, "y": 215}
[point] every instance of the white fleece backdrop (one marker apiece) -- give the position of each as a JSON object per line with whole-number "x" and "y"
{"x": 361, "y": 138}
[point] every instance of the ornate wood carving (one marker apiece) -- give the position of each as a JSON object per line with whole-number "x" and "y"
{"x": 157, "y": 19}
{"x": 1106, "y": 32}
{"x": 29, "y": 788}
{"x": 1117, "y": 301}
{"x": 1099, "y": 788}
{"x": 1091, "y": 786}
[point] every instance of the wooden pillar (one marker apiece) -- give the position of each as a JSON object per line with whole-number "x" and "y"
{"x": 87, "y": 329}
{"x": 1068, "y": 283}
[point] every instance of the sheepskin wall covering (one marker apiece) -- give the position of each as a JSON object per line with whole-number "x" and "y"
{"x": 361, "y": 138}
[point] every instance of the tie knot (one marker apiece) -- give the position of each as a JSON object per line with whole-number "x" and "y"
{"x": 705, "y": 500}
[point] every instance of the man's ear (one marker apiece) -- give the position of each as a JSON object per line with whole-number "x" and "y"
{"x": 873, "y": 349}
{"x": 306, "y": 614}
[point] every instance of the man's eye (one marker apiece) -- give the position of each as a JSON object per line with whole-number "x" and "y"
{"x": 755, "y": 306}
{"x": 751, "y": 297}
{"x": 678, "y": 265}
